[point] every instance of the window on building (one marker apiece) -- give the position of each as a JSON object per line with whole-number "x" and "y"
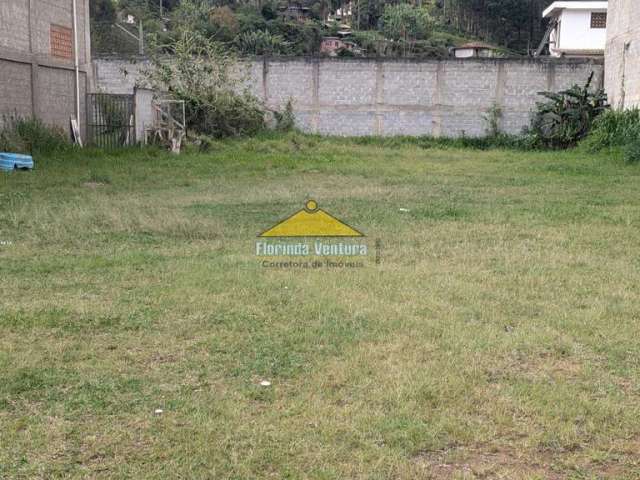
{"x": 598, "y": 20}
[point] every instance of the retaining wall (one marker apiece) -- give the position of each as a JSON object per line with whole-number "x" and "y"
{"x": 393, "y": 97}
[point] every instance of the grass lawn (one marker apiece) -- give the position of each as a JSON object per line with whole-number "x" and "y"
{"x": 497, "y": 337}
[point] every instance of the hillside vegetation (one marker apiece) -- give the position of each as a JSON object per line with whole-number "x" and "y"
{"x": 376, "y": 27}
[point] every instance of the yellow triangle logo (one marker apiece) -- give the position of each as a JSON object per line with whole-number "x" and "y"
{"x": 311, "y": 221}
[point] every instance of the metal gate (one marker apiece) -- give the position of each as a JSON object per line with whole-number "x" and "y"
{"x": 110, "y": 120}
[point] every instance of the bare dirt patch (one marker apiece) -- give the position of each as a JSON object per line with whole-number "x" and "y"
{"x": 476, "y": 463}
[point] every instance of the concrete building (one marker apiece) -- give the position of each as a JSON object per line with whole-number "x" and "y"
{"x": 580, "y": 28}
{"x": 622, "y": 57}
{"x": 331, "y": 46}
{"x": 37, "y": 59}
{"x": 475, "y": 50}
{"x": 295, "y": 11}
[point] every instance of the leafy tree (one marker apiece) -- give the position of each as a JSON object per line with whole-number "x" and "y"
{"x": 102, "y": 11}
{"x": 304, "y": 38}
{"x": 224, "y": 23}
{"x": 516, "y": 24}
{"x": 269, "y": 11}
{"x": 208, "y": 77}
{"x": 191, "y": 16}
{"x": 405, "y": 22}
{"x": 145, "y": 9}
{"x": 250, "y": 19}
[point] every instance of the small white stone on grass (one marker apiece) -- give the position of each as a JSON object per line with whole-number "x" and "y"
{"x": 404, "y": 210}
{"x": 265, "y": 383}
{"x": 158, "y": 411}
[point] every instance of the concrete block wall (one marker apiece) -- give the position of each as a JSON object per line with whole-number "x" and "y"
{"x": 119, "y": 76}
{"x": 14, "y": 33}
{"x": 622, "y": 54}
{"x": 56, "y": 96}
{"x": 15, "y": 94}
{"x": 32, "y": 81}
{"x": 354, "y": 97}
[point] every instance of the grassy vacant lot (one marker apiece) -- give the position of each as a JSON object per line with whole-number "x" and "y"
{"x": 498, "y": 337}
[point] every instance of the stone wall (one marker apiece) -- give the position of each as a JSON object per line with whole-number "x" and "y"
{"x": 32, "y": 81}
{"x": 394, "y": 97}
{"x": 622, "y": 54}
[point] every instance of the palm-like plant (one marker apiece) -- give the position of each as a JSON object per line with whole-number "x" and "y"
{"x": 568, "y": 115}
{"x": 261, "y": 43}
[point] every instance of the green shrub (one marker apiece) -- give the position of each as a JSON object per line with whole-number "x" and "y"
{"x": 613, "y": 129}
{"x": 372, "y": 42}
{"x": 345, "y": 53}
{"x": 30, "y": 135}
{"x": 200, "y": 143}
{"x": 225, "y": 114}
{"x": 568, "y": 115}
{"x": 632, "y": 151}
{"x": 286, "y": 120}
{"x": 261, "y": 43}
{"x": 493, "y": 117}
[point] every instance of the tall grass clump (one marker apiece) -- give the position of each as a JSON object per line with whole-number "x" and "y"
{"x": 30, "y": 136}
{"x": 631, "y": 151}
{"x": 501, "y": 141}
{"x": 285, "y": 120}
{"x": 614, "y": 129}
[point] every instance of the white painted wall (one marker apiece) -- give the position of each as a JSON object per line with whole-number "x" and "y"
{"x": 622, "y": 57}
{"x": 576, "y": 32}
{"x": 474, "y": 52}
{"x": 464, "y": 52}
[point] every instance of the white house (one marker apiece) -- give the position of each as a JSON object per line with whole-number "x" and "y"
{"x": 471, "y": 50}
{"x": 579, "y": 28}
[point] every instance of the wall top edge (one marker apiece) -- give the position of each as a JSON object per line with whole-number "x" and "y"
{"x": 598, "y": 60}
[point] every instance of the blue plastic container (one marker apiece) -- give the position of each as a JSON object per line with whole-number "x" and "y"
{"x": 15, "y": 161}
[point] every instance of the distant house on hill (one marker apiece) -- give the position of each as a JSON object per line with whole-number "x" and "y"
{"x": 578, "y": 29}
{"x": 476, "y": 49}
{"x": 332, "y": 46}
{"x": 295, "y": 11}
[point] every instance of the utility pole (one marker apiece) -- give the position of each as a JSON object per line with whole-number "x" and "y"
{"x": 140, "y": 38}
{"x": 160, "y": 9}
